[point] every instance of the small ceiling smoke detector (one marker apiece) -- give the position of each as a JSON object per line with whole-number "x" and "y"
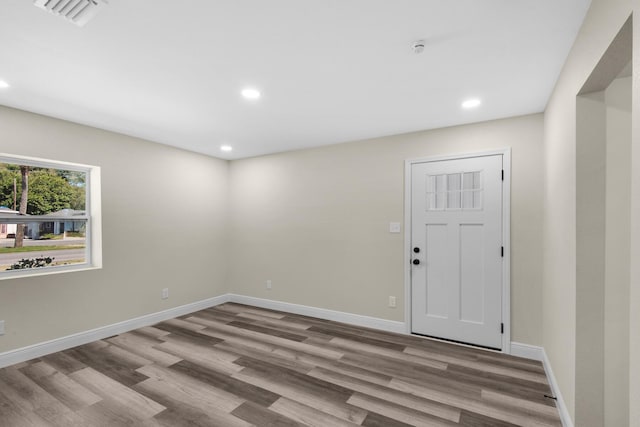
{"x": 418, "y": 46}
{"x": 77, "y": 11}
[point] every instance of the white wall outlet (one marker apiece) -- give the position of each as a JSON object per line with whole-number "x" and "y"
{"x": 165, "y": 293}
{"x": 392, "y": 302}
{"x": 268, "y": 284}
{"x": 394, "y": 227}
{"x": 1, "y": 327}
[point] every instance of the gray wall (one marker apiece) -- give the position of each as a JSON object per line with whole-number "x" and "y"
{"x": 564, "y": 322}
{"x": 146, "y": 189}
{"x": 316, "y": 222}
{"x": 617, "y": 255}
{"x": 591, "y": 169}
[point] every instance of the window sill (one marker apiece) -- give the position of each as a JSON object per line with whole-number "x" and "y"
{"x": 46, "y": 271}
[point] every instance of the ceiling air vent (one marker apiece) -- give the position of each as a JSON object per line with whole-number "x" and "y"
{"x": 77, "y": 11}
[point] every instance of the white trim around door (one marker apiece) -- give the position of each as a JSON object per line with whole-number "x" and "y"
{"x": 506, "y": 232}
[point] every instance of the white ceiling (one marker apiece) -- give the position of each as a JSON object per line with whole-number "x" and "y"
{"x": 330, "y": 71}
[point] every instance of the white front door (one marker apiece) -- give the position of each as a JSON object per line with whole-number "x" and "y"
{"x": 456, "y": 250}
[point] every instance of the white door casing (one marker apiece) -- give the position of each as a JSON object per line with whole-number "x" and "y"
{"x": 457, "y": 211}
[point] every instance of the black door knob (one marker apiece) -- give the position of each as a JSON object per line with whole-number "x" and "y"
{"x": 416, "y": 261}
{"x": 416, "y": 250}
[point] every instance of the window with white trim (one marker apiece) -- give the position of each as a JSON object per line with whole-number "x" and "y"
{"x": 49, "y": 216}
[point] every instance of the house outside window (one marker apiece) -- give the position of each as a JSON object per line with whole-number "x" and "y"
{"x": 50, "y": 218}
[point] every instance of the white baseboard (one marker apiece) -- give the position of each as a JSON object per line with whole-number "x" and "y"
{"x": 517, "y": 349}
{"x": 37, "y": 350}
{"x": 322, "y": 313}
{"x": 59, "y": 344}
{"x": 527, "y": 351}
{"x": 538, "y": 353}
{"x": 565, "y": 417}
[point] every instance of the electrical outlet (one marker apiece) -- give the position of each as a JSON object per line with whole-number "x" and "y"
{"x": 268, "y": 284}
{"x": 392, "y": 302}
{"x": 1, "y": 327}
{"x": 165, "y": 293}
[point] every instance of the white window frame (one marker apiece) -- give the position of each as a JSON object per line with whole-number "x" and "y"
{"x": 93, "y": 217}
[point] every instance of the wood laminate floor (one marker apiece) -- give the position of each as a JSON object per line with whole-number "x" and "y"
{"x": 235, "y": 365}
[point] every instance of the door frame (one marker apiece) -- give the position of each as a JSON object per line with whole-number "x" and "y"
{"x": 506, "y": 233}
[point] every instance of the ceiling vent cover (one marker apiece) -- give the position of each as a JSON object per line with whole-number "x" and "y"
{"x": 77, "y": 11}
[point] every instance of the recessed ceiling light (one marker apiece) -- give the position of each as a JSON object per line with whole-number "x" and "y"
{"x": 471, "y": 103}
{"x": 250, "y": 93}
{"x": 3, "y": 84}
{"x": 226, "y": 148}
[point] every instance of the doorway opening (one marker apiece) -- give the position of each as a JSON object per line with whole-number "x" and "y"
{"x": 603, "y": 226}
